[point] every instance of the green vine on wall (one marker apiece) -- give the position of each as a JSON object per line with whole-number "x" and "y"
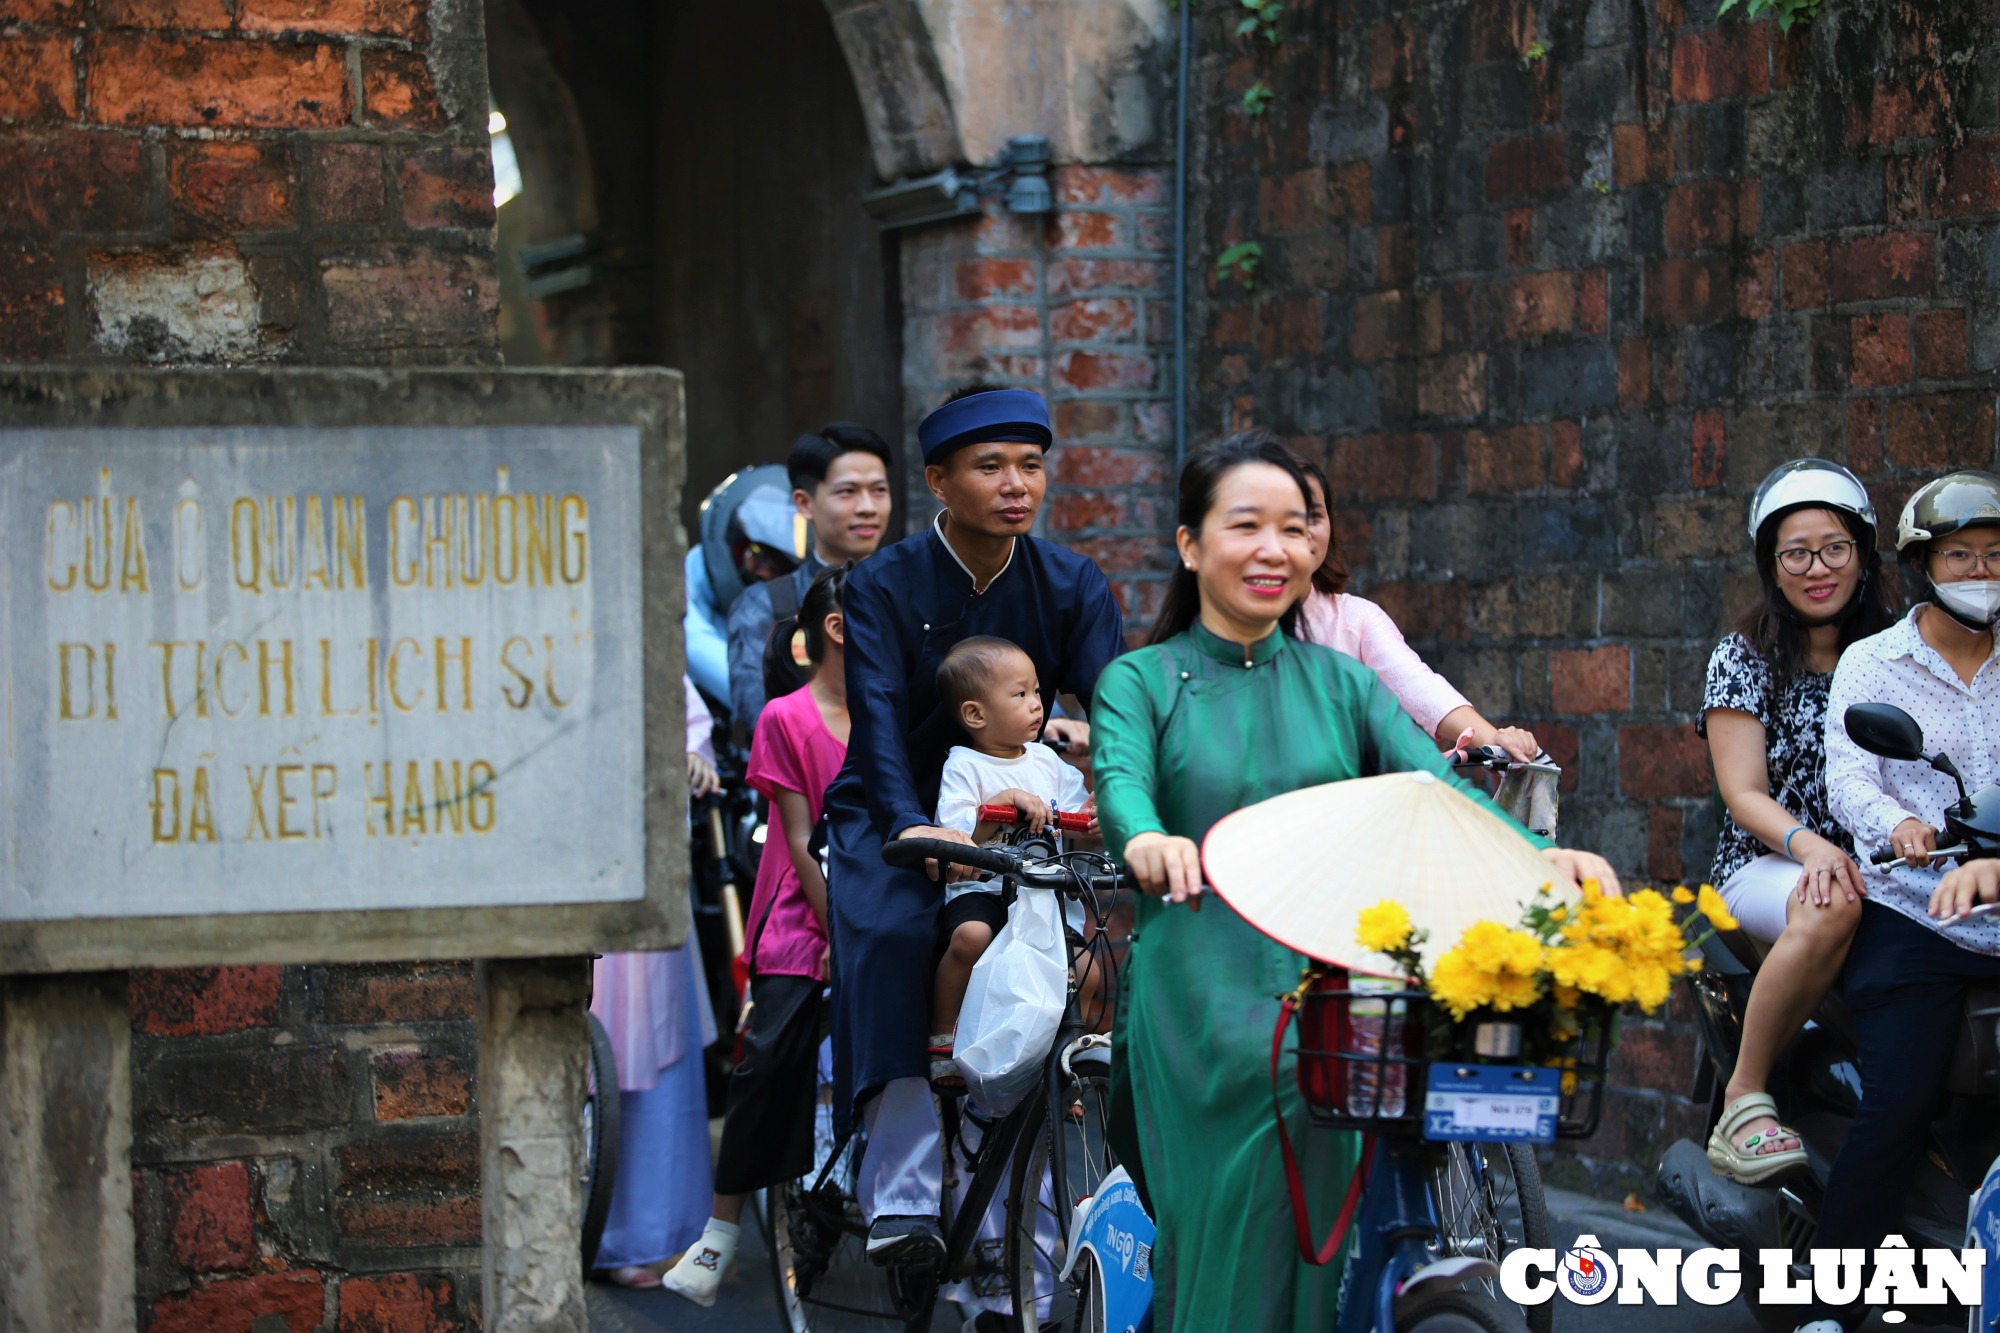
{"x": 1262, "y": 20}
{"x": 1240, "y": 262}
{"x": 1788, "y": 12}
{"x": 1257, "y": 98}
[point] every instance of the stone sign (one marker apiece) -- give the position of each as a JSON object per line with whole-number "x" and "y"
{"x": 373, "y": 648}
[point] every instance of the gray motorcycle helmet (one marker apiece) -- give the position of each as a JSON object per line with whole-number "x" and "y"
{"x": 1939, "y": 508}
{"x": 753, "y": 506}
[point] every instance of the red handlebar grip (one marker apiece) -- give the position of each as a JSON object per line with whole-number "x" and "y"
{"x": 1073, "y": 823}
{"x": 998, "y": 814}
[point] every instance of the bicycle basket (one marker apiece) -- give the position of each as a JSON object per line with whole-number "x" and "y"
{"x": 1362, "y": 1052}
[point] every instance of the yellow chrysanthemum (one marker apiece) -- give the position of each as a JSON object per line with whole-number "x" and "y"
{"x": 1710, "y": 905}
{"x": 1490, "y": 966}
{"x": 1383, "y": 927}
{"x": 1459, "y": 985}
{"x": 1683, "y": 895}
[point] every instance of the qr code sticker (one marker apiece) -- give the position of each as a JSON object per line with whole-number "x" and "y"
{"x": 1142, "y": 1263}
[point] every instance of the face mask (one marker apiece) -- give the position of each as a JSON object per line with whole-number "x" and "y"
{"x": 1974, "y": 604}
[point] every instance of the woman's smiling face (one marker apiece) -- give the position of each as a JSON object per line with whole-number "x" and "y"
{"x": 1818, "y": 591}
{"x": 1254, "y": 555}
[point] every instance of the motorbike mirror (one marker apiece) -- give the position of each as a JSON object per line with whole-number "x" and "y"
{"x": 1886, "y": 730}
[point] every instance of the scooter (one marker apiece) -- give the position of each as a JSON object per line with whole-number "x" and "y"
{"x": 1817, "y": 1086}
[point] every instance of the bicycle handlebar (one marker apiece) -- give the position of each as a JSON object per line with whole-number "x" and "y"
{"x": 1067, "y": 820}
{"x": 911, "y": 853}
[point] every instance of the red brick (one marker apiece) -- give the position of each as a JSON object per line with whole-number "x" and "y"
{"x": 1701, "y": 215}
{"x": 1535, "y": 167}
{"x": 1383, "y": 467}
{"x": 1593, "y": 303}
{"x": 1656, "y": 761}
{"x": 399, "y": 993}
{"x": 219, "y": 83}
{"x": 1875, "y": 268}
{"x": 1092, "y": 318}
{"x": 1081, "y": 419}
{"x": 1520, "y": 236}
{"x": 1077, "y": 511}
{"x": 1565, "y": 453}
{"x": 1085, "y": 371}
{"x": 983, "y": 328}
{"x": 1505, "y": 462}
{"x": 348, "y": 189}
{"x": 1073, "y": 230}
{"x": 343, "y": 18}
{"x": 1123, "y": 555}
{"x": 404, "y": 1222}
{"x": 448, "y": 187}
{"x": 202, "y": 1001}
{"x": 1109, "y": 185}
{"x": 1971, "y": 182}
{"x": 1864, "y": 435}
{"x": 211, "y": 1220}
{"x": 1706, "y": 448}
{"x": 55, "y": 13}
{"x": 1452, "y": 386}
{"x": 1732, "y": 60}
{"x": 1501, "y": 30}
{"x": 1383, "y": 326}
{"x": 1881, "y": 350}
{"x": 1905, "y": 180}
{"x": 1539, "y": 304}
{"x": 33, "y": 326}
{"x": 1941, "y": 344}
{"x": 203, "y": 15}
{"x": 74, "y": 180}
{"x": 1289, "y": 329}
{"x": 37, "y": 78}
{"x": 1791, "y": 58}
{"x": 1805, "y": 275}
{"x": 1082, "y": 465}
{"x": 410, "y": 1085}
{"x": 1639, "y": 154}
{"x": 214, "y": 186}
{"x": 233, "y": 1306}
{"x": 398, "y": 1303}
{"x": 1757, "y": 284}
{"x": 1887, "y": 112}
{"x": 1350, "y": 192}
{"x": 1082, "y": 275}
{"x": 1395, "y": 254}
{"x": 1591, "y": 680}
{"x": 1390, "y": 54}
{"x": 1232, "y": 325}
{"x": 1293, "y": 203}
{"x": 1689, "y": 291}
{"x": 1560, "y": 739}
{"x": 1663, "y": 862}
{"x": 1938, "y": 432}
{"x": 392, "y": 297}
{"x": 982, "y": 279}
{"x": 1635, "y": 372}
{"x": 397, "y": 92}
{"x": 1155, "y": 233}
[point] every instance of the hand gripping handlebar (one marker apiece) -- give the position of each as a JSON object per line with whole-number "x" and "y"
{"x": 1067, "y": 821}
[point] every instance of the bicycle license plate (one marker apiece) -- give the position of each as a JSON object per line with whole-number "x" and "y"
{"x": 1492, "y": 1103}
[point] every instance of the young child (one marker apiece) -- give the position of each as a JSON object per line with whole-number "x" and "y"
{"x": 767, "y": 1128}
{"x": 992, "y": 686}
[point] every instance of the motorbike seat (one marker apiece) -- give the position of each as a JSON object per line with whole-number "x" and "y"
{"x": 1975, "y": 1060}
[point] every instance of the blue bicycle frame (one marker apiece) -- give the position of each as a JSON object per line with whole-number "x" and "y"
{"x": 1396, "y": 1222}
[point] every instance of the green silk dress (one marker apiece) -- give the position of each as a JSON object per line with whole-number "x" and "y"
{"x": 1183, "y": 733}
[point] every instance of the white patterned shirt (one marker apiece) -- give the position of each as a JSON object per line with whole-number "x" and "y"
{"x": 1870, "y": 795}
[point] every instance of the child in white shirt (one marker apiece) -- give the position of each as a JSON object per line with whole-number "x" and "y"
{"x": 993, "y": 687}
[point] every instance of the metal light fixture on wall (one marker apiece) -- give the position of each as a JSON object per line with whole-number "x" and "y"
{"x": 952, "y": 193}
{"x": 1029, "y": 192}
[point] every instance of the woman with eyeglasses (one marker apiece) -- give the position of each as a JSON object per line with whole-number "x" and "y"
{"x": 1783, "y": 865}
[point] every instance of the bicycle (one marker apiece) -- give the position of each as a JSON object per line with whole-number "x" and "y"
{"x": 1048, "y": 1153}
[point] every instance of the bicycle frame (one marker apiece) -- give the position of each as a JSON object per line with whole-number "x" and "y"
{"x": 1397, "y": 1220}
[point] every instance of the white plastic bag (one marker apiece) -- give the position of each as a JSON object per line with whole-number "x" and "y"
{"x": 1014, "y": 1003}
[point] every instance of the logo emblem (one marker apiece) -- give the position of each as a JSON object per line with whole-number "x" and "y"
{"x": 1587, "y": 1274}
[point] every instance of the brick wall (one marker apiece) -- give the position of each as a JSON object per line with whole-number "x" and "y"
{"x": 1076, "y": 306}
{"x": 1551, "y": 289}
{"x": 243, "y": 181}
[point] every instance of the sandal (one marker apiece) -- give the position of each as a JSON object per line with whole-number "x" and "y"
{"x": 945, "y": 1075}
{"x": 1743, "y": 1163}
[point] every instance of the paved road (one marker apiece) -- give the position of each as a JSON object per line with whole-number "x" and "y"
{"x": 748, "y": 1303}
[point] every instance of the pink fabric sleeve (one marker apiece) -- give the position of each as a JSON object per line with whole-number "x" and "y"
{"x": 775, "y": 759}
{"x": 1425, "y": 695}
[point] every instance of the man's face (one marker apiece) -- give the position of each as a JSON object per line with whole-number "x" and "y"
{"x": 995, "y": 489}
{"x": 849, "y": 511}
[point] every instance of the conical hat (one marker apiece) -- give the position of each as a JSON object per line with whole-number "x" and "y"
{"x": 1301, "y": 867}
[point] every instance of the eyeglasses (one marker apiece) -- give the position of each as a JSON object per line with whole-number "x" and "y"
{"x": 1834, "y": 555}
{"x": 1961, "y": 561}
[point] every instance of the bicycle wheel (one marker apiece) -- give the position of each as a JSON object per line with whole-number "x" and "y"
{"x": 1462, "y": 1311}
{"x": 1060, "y": 1161}
{"x": 1489, "y": 1200}
{"x": 601, "y": 1124}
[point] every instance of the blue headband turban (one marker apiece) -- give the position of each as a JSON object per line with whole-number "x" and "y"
{"x": 1020, "y": 415}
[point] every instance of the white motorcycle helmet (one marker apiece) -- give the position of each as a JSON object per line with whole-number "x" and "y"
{"x": 1938, "y": 509}
{"x": 1809, "y": 481}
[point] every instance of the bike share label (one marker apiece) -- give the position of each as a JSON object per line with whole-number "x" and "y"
{"x": 1492, "y": 1103}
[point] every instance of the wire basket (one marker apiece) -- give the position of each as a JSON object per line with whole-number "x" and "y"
{"x": 1366, "y": 1045}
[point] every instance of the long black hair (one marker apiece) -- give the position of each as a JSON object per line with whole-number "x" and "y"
{"x": 1774, "y": 626}
{"x": 1201, "y": 476}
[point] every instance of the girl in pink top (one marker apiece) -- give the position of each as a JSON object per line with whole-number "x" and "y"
{"x": 1356, "y": 626}
{"x": 767, "y": 1130}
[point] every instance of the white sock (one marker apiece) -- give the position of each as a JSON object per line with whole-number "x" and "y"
{"x": 700, "y": 1270}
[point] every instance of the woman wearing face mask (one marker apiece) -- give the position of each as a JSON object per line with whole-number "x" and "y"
{"x": 1782, "y": 862}
{"x": 1224, "y": 708}
{"x": 1335, "y": 618}
{"x": 1912, "y": 960}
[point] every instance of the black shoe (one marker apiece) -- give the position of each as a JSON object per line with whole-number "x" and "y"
{"x": 902, "y": 1242}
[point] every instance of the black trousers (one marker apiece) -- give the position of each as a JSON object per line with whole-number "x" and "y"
{"x": 767, "y": 1128}
{"x": 1905, "y": 984}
